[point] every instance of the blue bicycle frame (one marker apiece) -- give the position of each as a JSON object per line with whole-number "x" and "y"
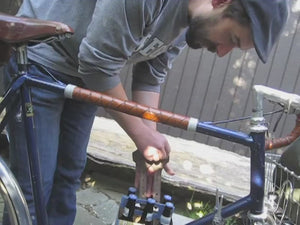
{"x": 21, "y": 86}
{"x": 255, "y": 141}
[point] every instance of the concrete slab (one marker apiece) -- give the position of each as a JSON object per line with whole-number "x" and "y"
{"x": 197, "y": 166}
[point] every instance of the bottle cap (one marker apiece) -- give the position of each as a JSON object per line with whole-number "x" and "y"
{"x": 132, "y": 196}
{"x": 151, "y": 201}
{"x": 131, "y": 190}
{"x": 169, "y": 205}
{"x": 167, "y": 198}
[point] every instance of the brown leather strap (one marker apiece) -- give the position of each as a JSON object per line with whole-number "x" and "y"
{"x": 19, "y": 30}
{"x": 131, "y": 108}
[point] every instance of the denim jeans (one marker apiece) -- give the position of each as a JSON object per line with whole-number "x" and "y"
{"x": 62, "y": 128}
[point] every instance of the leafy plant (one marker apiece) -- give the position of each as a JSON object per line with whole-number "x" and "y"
{"x": 196, "y": 209}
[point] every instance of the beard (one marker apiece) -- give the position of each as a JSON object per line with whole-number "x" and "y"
{"x": 197, "y": 35}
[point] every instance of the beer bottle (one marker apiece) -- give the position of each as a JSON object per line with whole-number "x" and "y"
{"x": 131, "y": 190}
{"x": 167, "y": 198}
{"x": 166, "y": 216}
{"x": 128, "y": 211}
{"x": 147, "y": 215}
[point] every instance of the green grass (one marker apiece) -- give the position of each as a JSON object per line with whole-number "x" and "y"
{"x": 196, "y": 209}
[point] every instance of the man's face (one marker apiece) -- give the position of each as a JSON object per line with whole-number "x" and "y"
{"x": 218, "y": 35}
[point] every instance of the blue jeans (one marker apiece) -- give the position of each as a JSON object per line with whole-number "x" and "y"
{"x": 63, "y": 128}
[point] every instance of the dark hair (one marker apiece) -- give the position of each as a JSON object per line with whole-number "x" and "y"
{"x": 236, "y": 11}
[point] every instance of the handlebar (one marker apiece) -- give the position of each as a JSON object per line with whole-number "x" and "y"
{"x": 290, "y": 101}
{"x": 291, "y": 104}
{"x": 284, "y": 141}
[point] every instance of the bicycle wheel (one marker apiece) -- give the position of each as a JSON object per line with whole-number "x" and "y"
{"x": 13, "y": 203}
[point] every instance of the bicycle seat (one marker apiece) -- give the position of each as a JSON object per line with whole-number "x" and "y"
{"x": 14, "y": 30}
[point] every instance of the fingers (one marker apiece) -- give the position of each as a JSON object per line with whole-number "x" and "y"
{"x": 154, "y": 146}
{"x": 153, "y": 167}
{"x": 155, "y": 161}
{"x": 169, "y": 170}
{"x": 167, "y": 148}
{"x": 154, "y": 155}
{"x": 166, "y": 151}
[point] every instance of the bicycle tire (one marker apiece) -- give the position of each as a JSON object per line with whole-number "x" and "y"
{"x": 14, "y": 200}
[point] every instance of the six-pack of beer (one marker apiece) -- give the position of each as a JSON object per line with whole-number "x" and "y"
{"x": 137, "y": 211}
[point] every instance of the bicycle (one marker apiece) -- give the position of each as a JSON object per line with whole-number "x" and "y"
{"x": 36, "y": 31}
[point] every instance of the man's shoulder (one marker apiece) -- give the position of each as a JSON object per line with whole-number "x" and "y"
{"x": 150, "y": 7}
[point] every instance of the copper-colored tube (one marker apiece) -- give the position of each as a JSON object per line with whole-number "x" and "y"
{"x": 131, "y": 108}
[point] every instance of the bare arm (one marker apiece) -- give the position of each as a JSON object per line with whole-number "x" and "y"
{"x": 147, "y": 98}
{"x": 142, "y": 133}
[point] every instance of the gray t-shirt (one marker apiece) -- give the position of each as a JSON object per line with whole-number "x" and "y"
{"x": 110, "y": 34}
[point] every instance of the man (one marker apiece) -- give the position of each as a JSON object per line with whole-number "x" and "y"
{"x": 108, "y": 35}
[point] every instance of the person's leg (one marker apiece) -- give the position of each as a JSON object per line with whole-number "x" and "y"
{"x": 76, "y": 123}
{"x": 47, "y": 111}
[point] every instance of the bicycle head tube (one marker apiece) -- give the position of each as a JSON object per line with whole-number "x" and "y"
{"x": 257, "y": 122}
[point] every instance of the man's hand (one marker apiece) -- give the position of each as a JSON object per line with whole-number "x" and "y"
{"x": 149, "y": 185}
{"x": 156, "y": 150}
{"x": 153, "y": 145}
{"x": 151, "y": 158}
